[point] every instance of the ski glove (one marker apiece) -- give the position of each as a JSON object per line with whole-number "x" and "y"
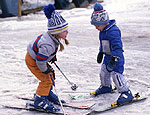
{"x": 111, "y": 64}
{"x": 50, "y": 69}
{"x": 99, "y": 57}
{"x": 53, "y": 59}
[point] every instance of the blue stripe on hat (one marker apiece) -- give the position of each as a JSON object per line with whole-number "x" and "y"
{"x": 59, "y": 27}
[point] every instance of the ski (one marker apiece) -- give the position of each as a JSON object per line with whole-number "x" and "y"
{"x": 82, "y": 105}
{"x": 89, "y": 96}
{"x": 137, "y": 98}
{"x": 23, "y": 107}
{"x": 85, "y": 97}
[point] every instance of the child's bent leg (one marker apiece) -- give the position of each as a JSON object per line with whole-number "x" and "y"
{"x": 40, "y": 98}
{"x": 45, "y": 79}
{"x": 44, "y": 85}
{"x": 120, "y": 82}
{"x": 123, "y": 88}
{"x": 105, "y": 77}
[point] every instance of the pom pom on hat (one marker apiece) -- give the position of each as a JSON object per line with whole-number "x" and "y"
{"x": 98, "y": 7}
{"x": 48, "y": 10}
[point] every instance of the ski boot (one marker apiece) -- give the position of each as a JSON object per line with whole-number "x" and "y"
{"x": 125, "y": 97}
{"x": 53, "y": 98}
{"x": 102, "y": 90}
{"x": 41, "y": 102}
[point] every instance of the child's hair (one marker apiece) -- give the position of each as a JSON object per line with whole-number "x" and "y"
{"x": 61, "y": 45}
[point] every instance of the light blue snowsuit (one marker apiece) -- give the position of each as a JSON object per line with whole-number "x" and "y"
{"x": 111, "y": 45}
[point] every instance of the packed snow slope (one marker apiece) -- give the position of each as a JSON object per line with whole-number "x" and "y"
{"x": 78, "y": 60}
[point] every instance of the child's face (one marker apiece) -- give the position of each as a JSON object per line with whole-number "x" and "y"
{"x": 100, "y": 27}
{"x": 63, "y": 35}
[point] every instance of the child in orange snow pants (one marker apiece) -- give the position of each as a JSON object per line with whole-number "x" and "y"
{"x": 40, "y": 53}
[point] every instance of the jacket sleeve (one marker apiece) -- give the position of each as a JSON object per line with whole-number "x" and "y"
{"x": 100, "y": 48}
{"x": 115, "y": 43}
{"x": 43, "y": 56}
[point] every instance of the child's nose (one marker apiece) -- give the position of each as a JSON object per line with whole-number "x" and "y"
{"x": 67, "y": 31}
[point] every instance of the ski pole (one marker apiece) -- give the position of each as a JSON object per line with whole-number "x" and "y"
{"x": 73, "y": 86}
{"x": 59, "y": 101}
{"x": 57, "y": 93}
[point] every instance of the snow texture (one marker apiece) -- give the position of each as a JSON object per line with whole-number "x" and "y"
{"x": 78, "y": 60}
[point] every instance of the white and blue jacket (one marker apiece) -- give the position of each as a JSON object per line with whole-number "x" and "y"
{"x": 111, "y": 45}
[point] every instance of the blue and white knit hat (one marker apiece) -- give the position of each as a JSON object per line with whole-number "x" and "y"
{"x": 56, "y": 23}
{"x": 99, "y": 16}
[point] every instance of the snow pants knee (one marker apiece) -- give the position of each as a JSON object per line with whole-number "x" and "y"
{"x": 118, "y": 79}
{"x": 45, "y": 79}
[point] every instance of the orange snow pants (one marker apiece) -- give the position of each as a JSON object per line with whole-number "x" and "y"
{"x": 45, "y": 80}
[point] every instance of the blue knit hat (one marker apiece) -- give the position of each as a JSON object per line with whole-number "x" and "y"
{"x": 56, "y": 23}
{"x": 99, "y": 16}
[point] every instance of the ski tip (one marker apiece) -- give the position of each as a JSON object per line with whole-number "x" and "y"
{"x": 76, "y": 97}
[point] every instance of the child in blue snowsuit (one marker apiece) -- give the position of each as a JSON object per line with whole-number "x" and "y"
{"x": 112, "y": 49}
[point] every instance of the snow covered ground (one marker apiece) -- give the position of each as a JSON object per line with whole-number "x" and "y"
{"x": 78, "y": 61}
